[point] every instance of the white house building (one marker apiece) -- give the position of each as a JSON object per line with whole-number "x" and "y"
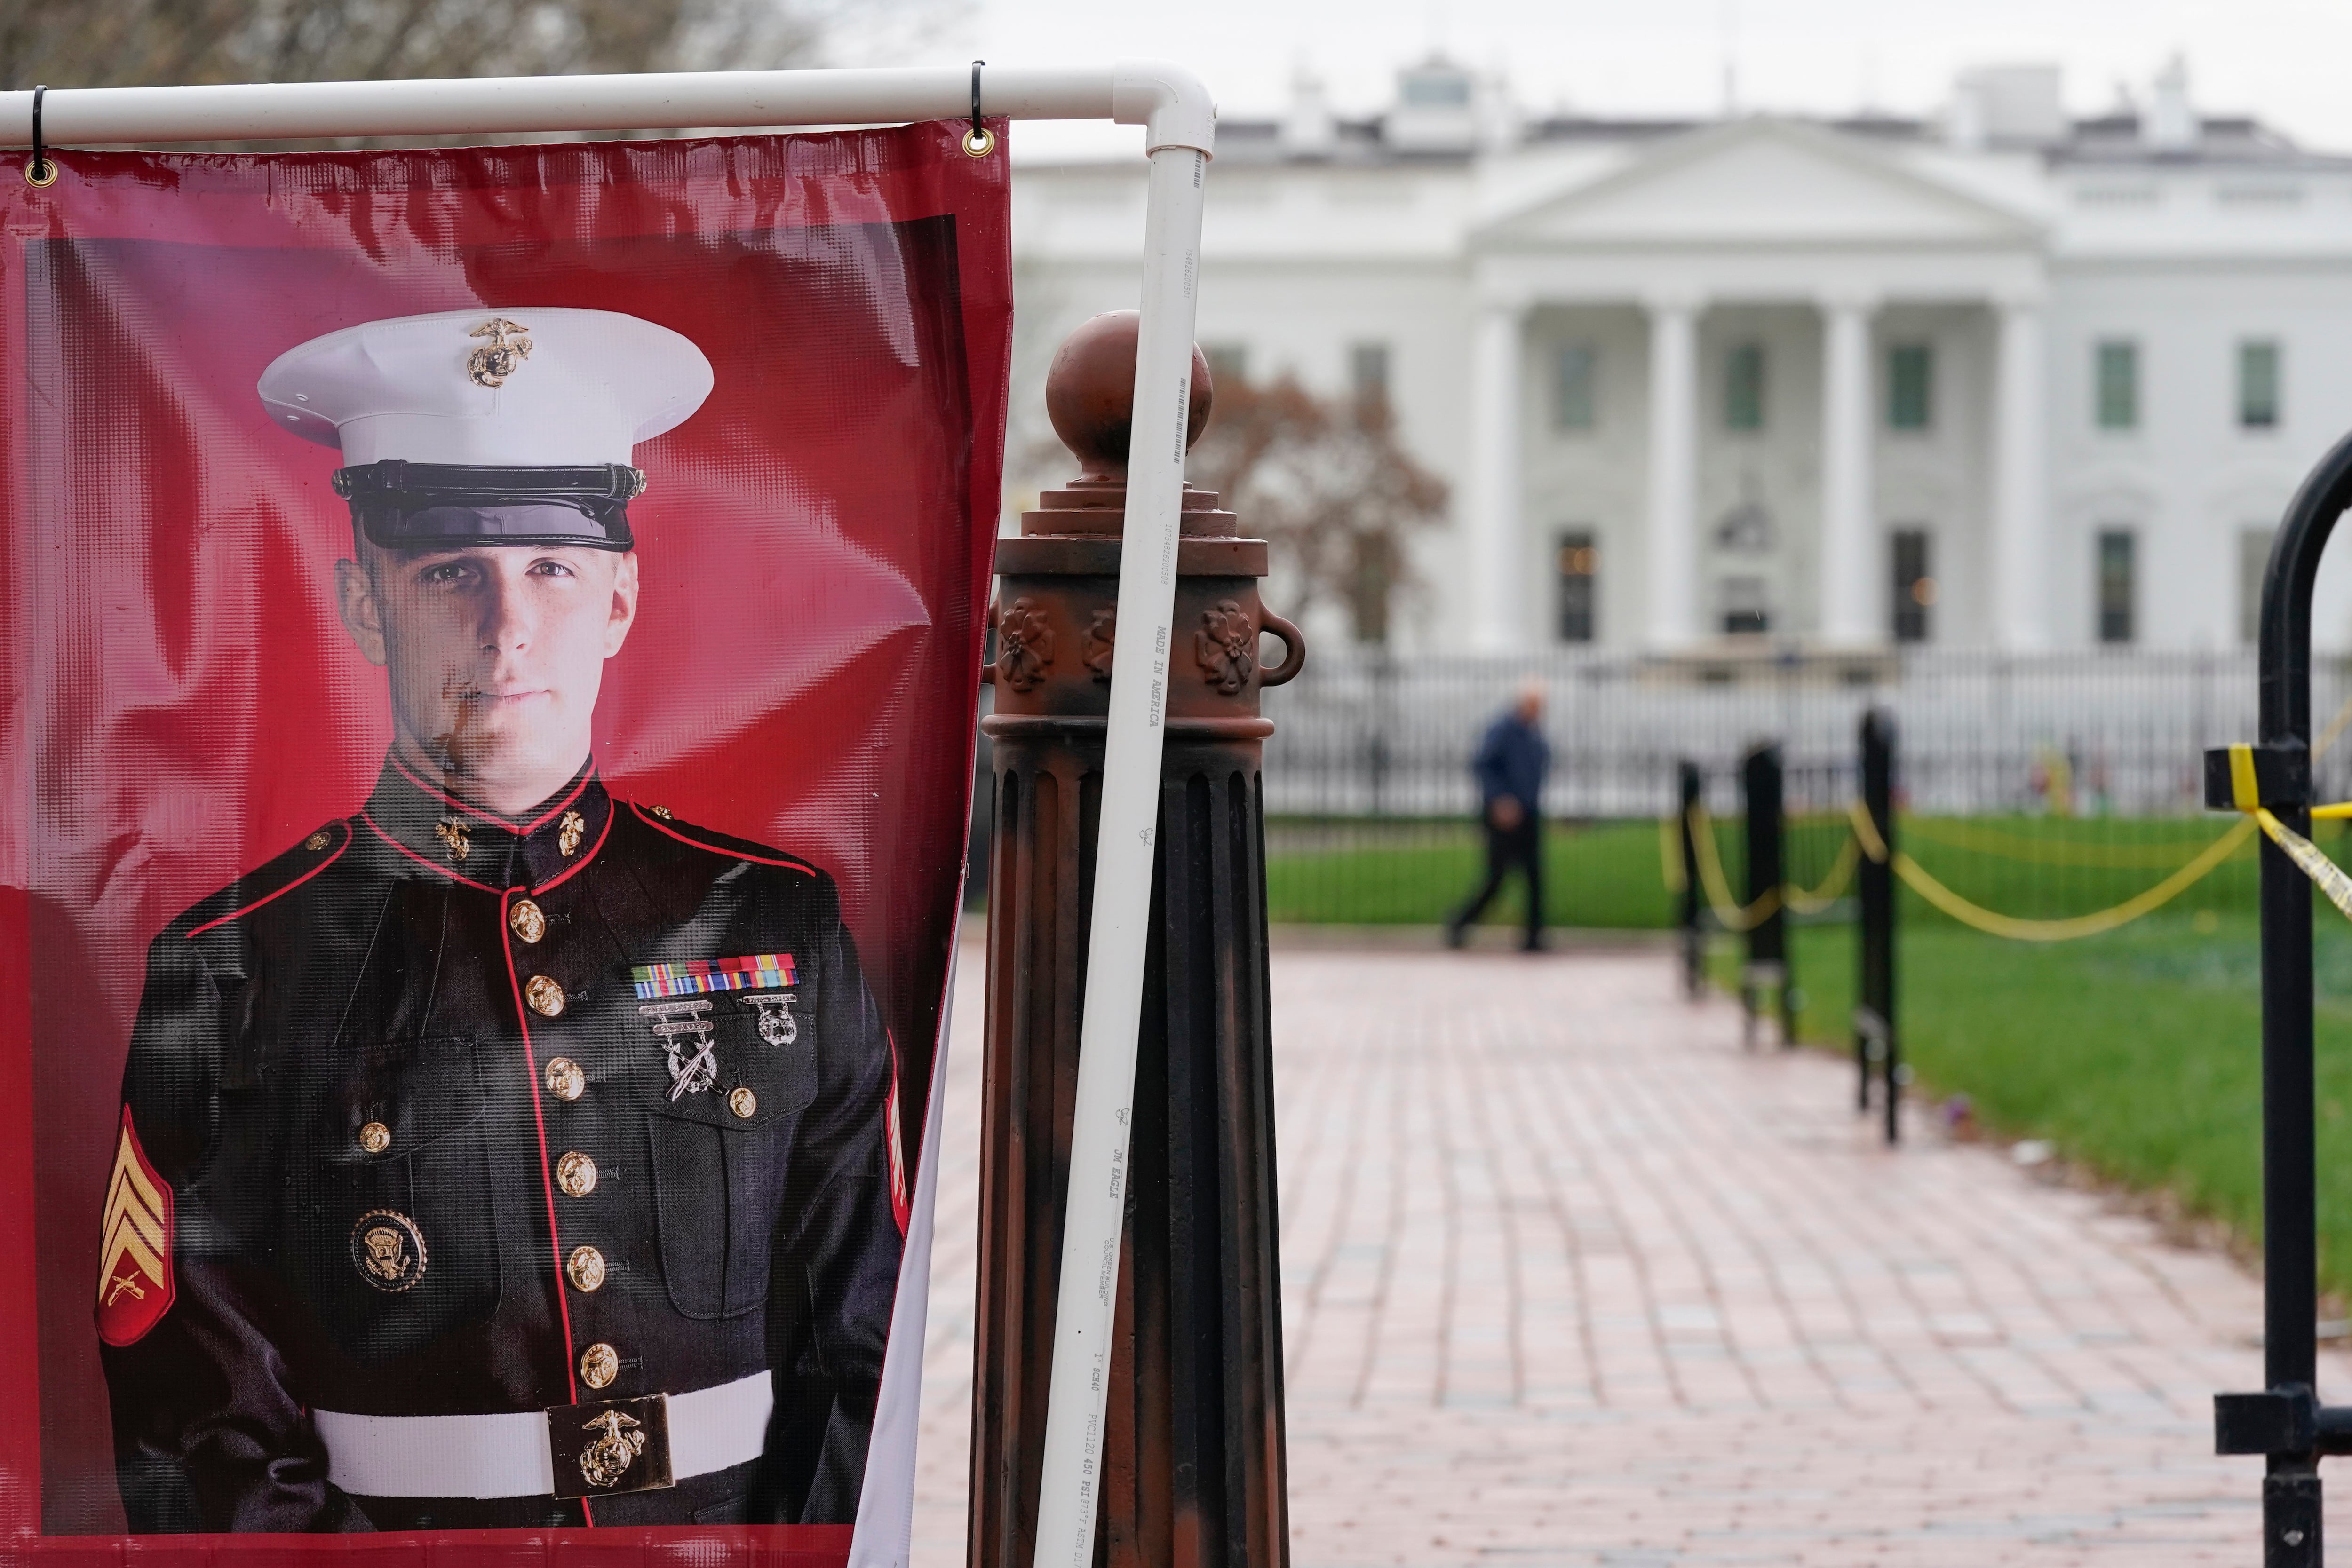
{"x": 2006, "y": 379}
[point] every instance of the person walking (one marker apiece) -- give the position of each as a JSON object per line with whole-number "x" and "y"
{"x": 1511, "y": 765}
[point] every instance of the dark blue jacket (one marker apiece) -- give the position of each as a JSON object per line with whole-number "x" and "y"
{"x": 1512, "y": 760}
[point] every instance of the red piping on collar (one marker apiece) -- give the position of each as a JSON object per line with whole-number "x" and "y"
{"x": 568, "y": 873}
{"x": 657, "y": 825}
{"x": 420, "y": 859}
{"x": 509, "y": 823}
{"x": 290, "y": 887}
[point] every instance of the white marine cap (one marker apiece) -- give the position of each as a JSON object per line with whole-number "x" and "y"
{"x": 512, "y": 386}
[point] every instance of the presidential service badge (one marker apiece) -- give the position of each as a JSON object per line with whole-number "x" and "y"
{"x": 134, "y": 1272}
{"x": 388, "y": 1250}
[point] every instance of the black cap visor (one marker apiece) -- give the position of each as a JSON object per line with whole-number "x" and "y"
{"x": 423, "y": 505}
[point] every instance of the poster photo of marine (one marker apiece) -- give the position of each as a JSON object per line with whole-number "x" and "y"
{"x": 522, "y": 1136}
{"x": 526, "y": 1091}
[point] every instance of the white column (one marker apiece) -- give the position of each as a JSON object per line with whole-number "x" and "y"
{"x": 1851, "y": 613}
{"x": 2021, "y": 544}
{"x": 1496, "y": 546}
{"x": 1673, "y": 545}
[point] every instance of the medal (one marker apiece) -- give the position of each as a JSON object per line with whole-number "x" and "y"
{"x": 683, "y": 1027}
{"x": 777, "y": 1024}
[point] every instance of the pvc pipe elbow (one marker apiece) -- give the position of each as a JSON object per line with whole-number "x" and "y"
{"x": 1169, "y": 102}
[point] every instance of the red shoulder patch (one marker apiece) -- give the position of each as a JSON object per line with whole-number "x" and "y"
{"x": 135, "y": 1275}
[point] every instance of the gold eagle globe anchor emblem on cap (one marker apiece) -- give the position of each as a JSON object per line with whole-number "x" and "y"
{"x": 502, "y": 356}
{"x": 605, "y": 1462}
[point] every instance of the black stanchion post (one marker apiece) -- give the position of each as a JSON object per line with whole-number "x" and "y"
{"x": 2285, "y": 1422}
{"x": 1875, "y": 1043}
{"x": 1768, "y": 938}
{"x": 1694, "y": 896}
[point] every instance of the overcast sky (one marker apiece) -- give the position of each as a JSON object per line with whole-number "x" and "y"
{"x": 2287, "y": 61}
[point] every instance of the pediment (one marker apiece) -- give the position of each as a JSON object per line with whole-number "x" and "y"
{"x": 1760, "y": 182}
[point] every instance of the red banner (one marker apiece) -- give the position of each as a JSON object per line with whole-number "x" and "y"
{"x": 490, "y": 647}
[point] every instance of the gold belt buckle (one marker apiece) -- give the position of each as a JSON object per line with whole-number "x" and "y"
{"x": 604, "y": 1448}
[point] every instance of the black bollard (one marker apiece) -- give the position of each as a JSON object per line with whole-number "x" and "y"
{"x": 1694, "y": 896}
{"x": 1767, "y": 939}
{"x": 1874, "y": 1041}
{"x": 2286, "y": 1422}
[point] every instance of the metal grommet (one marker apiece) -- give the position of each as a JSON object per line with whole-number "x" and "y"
{"x": 41, "y": 171}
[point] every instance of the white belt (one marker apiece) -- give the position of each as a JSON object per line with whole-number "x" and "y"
{"x": 509, "y": 1454}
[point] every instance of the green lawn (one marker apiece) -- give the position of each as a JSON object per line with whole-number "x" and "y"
{"x": 1609, "y": 874}
{"x": 2136, "y": 1053}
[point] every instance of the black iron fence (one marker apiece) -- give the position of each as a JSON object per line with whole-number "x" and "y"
{"x": 2041, "y": 785}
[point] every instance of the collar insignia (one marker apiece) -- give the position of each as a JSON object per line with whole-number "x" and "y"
{"x": 567, "y": 839}
{"x": 453, "y": 834}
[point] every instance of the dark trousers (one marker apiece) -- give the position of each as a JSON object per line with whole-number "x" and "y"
{"x": 1517, "y": 849}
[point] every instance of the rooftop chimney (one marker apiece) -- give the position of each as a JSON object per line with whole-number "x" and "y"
{"x": 2171, "y": 124}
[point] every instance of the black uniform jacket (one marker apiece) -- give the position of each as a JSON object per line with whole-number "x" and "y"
{"x": 360, "y": 1072}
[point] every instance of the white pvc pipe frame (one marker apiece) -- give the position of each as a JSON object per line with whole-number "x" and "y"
{"x": 1180, "y": 134}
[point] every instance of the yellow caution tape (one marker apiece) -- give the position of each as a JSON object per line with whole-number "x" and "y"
{"x": 2324, "y": 873}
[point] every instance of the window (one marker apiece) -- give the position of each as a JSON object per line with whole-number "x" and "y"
{"x": 1745, "y": 610}
{"x": 1910, "y": 382}
{"x": 1228, "y": 362}
{"x": 2118, "y": 375}
{"x": 2116, "y": 585}
{"x": 2258, "y": 384}
{"x": 1571, "y": 387}
{"x": 1743, "y": 387}
{"x": 2254, "y": 559}
{"x": 1579, "y": 567}
{"x": 1368, "y": 372}
{"x": 1915, "y": 585}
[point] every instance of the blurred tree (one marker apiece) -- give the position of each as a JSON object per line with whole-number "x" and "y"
{"x": 1329, "y": 487}
{"x": 123, "y": 43}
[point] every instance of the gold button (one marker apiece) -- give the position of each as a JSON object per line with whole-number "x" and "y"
{"x": 743, "y": 1103}
{"x": 599, "y": 1365}
{"x": 376, "y": 1137}
{"x": 316, "y": 842}
{"x": 564, "y": 1079}
{"x": 545, "y": 996}
{"x": 575, "y": 1173}
{"x": 586, "y": 1267}
{"x": 529, "y": 921}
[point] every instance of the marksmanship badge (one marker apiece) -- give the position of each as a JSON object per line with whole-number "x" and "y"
{"x": 777, "y": 1024}
{"x": 684, "y": 1026}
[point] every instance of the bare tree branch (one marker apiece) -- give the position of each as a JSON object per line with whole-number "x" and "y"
{"x": 1330, "y": 490}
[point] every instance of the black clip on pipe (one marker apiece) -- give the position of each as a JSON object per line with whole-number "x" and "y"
{"x": 41, "y": 172}
{"x": 980, "y": 141}
{"x": 2284, "y": 1421}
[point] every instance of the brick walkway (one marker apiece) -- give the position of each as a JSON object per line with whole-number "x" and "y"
{"x": 1570, "y": 1280}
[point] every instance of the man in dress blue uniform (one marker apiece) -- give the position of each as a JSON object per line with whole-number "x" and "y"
{"x": 503, "y": 1154}
{"x": 1511, "y": 765}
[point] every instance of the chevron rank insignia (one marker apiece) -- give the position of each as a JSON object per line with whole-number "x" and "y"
{"x": 134, "y": 1276}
